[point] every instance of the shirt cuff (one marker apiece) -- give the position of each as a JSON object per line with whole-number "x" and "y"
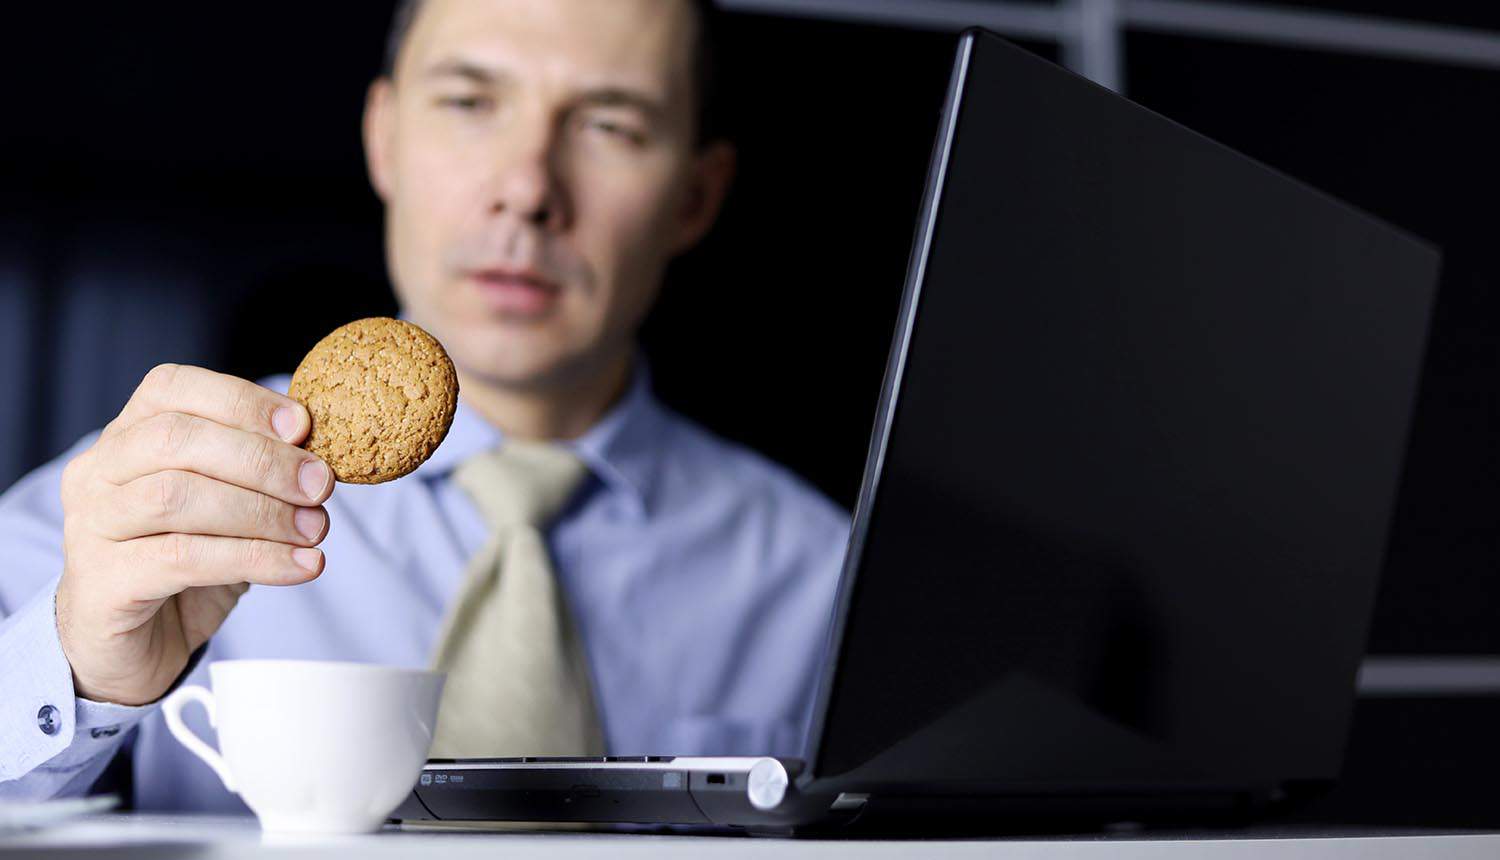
{"x": 41, "y": 721}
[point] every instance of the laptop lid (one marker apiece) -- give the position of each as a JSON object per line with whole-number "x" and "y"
{"x": 1128, "y": 491}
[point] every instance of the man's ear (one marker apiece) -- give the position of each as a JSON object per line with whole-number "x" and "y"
{"x": 379, "y": 130}
{"x": 713, "y": 173}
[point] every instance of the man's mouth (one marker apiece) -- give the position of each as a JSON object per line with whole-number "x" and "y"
{"x": 516, "y": 292}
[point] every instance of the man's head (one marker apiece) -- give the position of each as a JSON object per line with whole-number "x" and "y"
{"x": 541, "y": 162}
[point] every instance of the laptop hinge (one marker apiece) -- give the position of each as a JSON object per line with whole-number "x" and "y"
{"x": 848, "y": 802}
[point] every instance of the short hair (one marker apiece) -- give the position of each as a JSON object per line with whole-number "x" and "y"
{"x": 705, "y": 59}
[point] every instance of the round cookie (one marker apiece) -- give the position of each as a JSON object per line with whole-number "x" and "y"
{"x": 381, "y": 393}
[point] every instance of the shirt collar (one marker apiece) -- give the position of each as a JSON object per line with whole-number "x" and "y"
{"x": 622, "y": 449}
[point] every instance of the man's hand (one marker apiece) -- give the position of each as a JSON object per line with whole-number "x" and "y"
{"x": 194, "y": 491}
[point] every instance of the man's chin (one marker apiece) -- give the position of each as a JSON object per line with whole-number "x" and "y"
{"x": 516, "y": 357}
{"x": 510, "y": 366}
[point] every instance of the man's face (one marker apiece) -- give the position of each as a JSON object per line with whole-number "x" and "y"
{"x": 539, "y": 167}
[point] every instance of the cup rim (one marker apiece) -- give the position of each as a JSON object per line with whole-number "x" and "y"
{"x": 319, "y": 665}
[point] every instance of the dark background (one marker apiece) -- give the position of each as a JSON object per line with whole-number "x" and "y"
{"x": 181, "y": 184}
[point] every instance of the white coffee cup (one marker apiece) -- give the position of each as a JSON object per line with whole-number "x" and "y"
{"x": 314, "y": 747}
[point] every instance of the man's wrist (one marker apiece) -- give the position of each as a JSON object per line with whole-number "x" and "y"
{"x": 47, "y": 723}
{"x": 104, "y": 696}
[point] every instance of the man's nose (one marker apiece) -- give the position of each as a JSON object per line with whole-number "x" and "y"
{"x": 528, "y": 185}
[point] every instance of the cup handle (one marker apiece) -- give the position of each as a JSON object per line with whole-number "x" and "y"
{"x": 172, "y": 708}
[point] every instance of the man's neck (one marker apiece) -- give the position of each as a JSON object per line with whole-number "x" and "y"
{"x": 564, "y": 411}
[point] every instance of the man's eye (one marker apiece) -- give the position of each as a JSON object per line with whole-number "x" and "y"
{"x": 464, "y": 103}
{"x": 617, "y": 130}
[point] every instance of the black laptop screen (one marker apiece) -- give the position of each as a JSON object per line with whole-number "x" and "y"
{"x": 1142, "y": 454}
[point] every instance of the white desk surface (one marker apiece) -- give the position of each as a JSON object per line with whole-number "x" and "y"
{"x": 180, "y": 837}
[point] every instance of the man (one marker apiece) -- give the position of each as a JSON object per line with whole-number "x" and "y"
{"x": 541, "y": 161}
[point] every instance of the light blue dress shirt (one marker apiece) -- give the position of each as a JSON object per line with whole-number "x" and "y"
{"x": 702, "y": 576}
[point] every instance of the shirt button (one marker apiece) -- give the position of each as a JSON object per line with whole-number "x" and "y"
{"x": 105, "y": 732}
{"x": 46, "y": 720}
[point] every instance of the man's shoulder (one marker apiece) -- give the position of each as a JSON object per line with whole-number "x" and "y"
{"x": 693, "y": 456}
{"x": 278, "y": 383}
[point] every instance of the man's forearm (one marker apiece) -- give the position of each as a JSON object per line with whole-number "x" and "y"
{"x": 52, "y": 744}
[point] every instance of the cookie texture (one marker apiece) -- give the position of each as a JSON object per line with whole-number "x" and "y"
{"x": 381, "y": 393}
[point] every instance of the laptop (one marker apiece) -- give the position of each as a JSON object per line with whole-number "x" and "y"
{"x": 1124, "y": 508}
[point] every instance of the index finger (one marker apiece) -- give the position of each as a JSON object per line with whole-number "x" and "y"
{"x": 217, "y": 397}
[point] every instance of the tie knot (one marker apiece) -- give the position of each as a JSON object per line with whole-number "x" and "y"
{"x": 521, "y": 483}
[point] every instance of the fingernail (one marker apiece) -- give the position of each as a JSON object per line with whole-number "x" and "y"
{"x": 309, "y": 522}
{"x": 307, "y": 558}
{"x": 313, "y": 478}
{"x": 285, "y": 422}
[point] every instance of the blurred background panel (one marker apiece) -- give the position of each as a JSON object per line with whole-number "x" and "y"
{"x": 176, "y": 185}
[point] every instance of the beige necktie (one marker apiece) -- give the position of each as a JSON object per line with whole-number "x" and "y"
{"x": 518, "y": 680}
